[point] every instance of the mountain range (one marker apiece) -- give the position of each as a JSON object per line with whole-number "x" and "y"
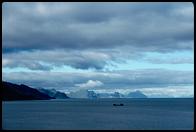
{"x": 12, "y": 91}
{"x": 134, "y": 94}
{"x": 22, "y": 92}
{"x": 83, "y": 93}
{"x": 53, "y": 93}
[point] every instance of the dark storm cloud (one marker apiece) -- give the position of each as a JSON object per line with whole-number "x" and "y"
{"x": 110, "y": 80}
{"x": 161, "y": 27}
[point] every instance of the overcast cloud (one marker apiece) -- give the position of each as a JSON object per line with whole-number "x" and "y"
{"x": 96, "y": 37}
{"x": 90, "y": 26}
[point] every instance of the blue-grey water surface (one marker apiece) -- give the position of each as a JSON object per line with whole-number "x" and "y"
{"x": 93, "y": 114}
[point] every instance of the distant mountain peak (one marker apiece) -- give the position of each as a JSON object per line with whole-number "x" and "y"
{"x": 136, "y": 94}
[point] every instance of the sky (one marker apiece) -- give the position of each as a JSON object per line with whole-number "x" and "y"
{"x": 101, "y": 46}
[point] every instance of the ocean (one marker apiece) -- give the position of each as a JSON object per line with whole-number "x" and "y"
{"x": 99, "y": 114}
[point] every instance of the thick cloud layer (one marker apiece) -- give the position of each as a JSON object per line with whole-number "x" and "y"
{"x": 160, "y": 27}
{"x": 90, "y": 35}
{"x": 46, "y": 60}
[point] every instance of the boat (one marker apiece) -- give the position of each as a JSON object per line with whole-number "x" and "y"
{"x": 118, "y": 104}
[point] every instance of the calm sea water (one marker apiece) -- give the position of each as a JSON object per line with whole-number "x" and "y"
{"x": 136, "y": 114}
